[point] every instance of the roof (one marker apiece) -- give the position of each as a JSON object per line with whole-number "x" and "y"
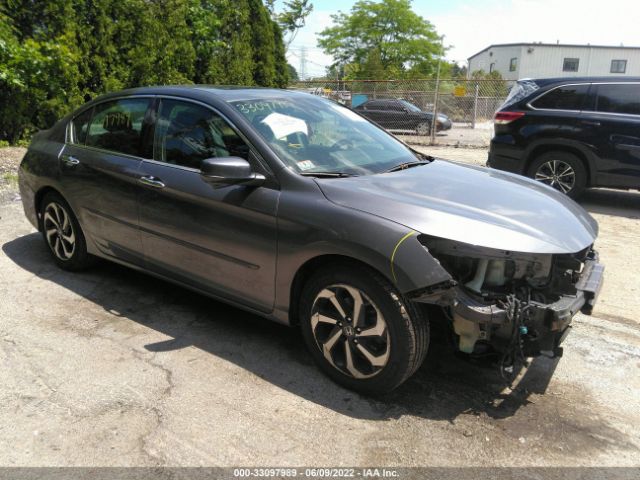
{"x": 570, "y": 80}
{"x": 225, "y": 93}
{"x": 572, "y": 45}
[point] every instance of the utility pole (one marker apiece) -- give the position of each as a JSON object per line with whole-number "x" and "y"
{"x": 303, "y": 63}
{"x": 435, "y": 99}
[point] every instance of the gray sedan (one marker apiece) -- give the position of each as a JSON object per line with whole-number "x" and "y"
{"x": 302, "y": 211}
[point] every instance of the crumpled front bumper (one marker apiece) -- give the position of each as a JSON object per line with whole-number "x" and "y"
{"x": 545, "y": 325}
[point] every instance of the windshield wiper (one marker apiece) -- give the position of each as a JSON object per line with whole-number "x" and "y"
{"x": 328, "y": 174}
{"x": 406, "y": 165}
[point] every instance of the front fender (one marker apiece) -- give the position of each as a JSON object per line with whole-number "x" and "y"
{"x": 329, "y": 229}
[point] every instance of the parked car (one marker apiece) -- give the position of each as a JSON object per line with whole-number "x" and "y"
{"x": 571, "y": 133}
{"x": 295, "y": 208}
{"x": 402, "y": 115}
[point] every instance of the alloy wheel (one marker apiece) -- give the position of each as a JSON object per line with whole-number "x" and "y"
{"x": 350, "y": 331}
{"x": 423, "y": 129}
{"x": 59, "y": 232}
{"x": 557, "y": 174}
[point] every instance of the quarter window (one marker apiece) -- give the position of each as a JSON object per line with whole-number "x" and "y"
{"x": 567, "y": 97}
{"x": 618, "y": 66}
{"x": 618, "y": 98}
{"x": 570, "y": 64}
{"x": 513, "y": 64}
{"x": 81, "y": 127}
{"x": 117, "y": 125}
{"x": 186, "y": 134}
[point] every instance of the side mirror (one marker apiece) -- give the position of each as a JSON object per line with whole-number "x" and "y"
{"x": 229, "y": 171}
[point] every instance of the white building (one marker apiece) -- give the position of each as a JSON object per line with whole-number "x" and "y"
{"x": 545, "y": 60}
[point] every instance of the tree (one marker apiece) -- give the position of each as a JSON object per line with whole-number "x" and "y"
{"x": 38, "y": 80}
{"x": 403, "y": 40}
{"x": 292, "y": 18}
{"x": 293, "y": 73}
{"x": 55, "y": 54}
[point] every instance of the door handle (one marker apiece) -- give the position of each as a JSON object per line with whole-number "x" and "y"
{"x": 593, "y": 123}
{"x": 151, "y": 182}
{"x": 70, "y": 160}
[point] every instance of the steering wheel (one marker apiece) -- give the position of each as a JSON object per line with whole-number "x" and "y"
{"x": 342, "y": 144}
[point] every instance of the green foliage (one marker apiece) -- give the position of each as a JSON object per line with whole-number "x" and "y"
{"x": 292, "y": 17}
{"x": 493, "y": 84}
{"x": 56, "y": 54}
{"x": 293, "y": 73}
{"x": 386, "y": 36}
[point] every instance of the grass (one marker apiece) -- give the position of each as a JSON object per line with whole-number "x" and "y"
{"x": 10, "y": 178}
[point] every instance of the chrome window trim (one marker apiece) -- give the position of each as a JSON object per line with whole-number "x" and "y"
{"x": 110, "y": 152}
{"x": 529, "y": 103}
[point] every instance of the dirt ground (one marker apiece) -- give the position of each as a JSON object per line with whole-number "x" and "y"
{"x": 113, "y": 368}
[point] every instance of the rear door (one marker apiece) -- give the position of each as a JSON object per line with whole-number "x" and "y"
{"x": 218, "y": 239}
{"x": 398, "y": 118}
{"x": 100, "y": 166}
{"x": 614, "y": 127}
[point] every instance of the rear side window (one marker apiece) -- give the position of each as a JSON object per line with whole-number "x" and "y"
{"x": 117, "y": 126}
{"x": 374, "y": 105}
{"x": 395, "y": 106}
{"x": 567, "y": 97}
{"x": 621, "y": 98}
{"x": 81, "y": 127}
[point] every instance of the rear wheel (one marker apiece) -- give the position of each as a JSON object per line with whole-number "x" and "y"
{"x": 63, "y": 235}
{"x": 561, "y": 170}
{"x": 360, "y": 330}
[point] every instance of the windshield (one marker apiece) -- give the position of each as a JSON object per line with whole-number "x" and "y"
{"x": 410, "y": 106}
{"x": 314, "y": 135}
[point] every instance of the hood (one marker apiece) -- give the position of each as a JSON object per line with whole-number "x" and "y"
{"x": 475, "y": 205}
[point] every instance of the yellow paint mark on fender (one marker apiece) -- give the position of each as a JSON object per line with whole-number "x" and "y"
{"x": 393, "y": 255}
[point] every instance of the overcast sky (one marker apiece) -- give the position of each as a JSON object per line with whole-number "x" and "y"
{"x": 469, "y": 26}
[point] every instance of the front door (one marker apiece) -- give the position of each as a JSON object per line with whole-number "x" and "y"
{"x": 99, "y": 168}
{"x": 615, "y": 127}
{"x": 218, "y": 239}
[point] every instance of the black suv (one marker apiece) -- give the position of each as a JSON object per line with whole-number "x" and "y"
{"x": 393, "y": 114}
{"x": 571, "y": 133}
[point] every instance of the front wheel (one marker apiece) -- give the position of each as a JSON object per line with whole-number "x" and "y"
{"x": 360, "y": 331}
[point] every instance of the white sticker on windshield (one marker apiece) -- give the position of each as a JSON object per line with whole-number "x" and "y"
{"x": 305, "y": 165}
{"x": 284, "y": 125}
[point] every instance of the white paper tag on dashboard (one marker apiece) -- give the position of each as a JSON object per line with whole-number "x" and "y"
{"x": 305, "y": 165}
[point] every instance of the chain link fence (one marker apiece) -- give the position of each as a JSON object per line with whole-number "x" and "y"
{"x": 463, "y": 109}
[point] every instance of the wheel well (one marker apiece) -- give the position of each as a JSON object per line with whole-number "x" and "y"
{"x": 542, "y": 149}
{"x": 311, "y": 266}
{"x": 38, "y": 202}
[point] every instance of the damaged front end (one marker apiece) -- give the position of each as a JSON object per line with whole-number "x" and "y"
{"x": 517, "y": 304}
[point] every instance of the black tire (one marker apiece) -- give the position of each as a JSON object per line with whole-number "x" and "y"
{"x": 408, "y": 331}
{"x": 79, "y": 258}
{"x": 543, "y": 165}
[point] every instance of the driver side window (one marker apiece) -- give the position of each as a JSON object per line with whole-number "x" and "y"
{"x": 186, "y": 134}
